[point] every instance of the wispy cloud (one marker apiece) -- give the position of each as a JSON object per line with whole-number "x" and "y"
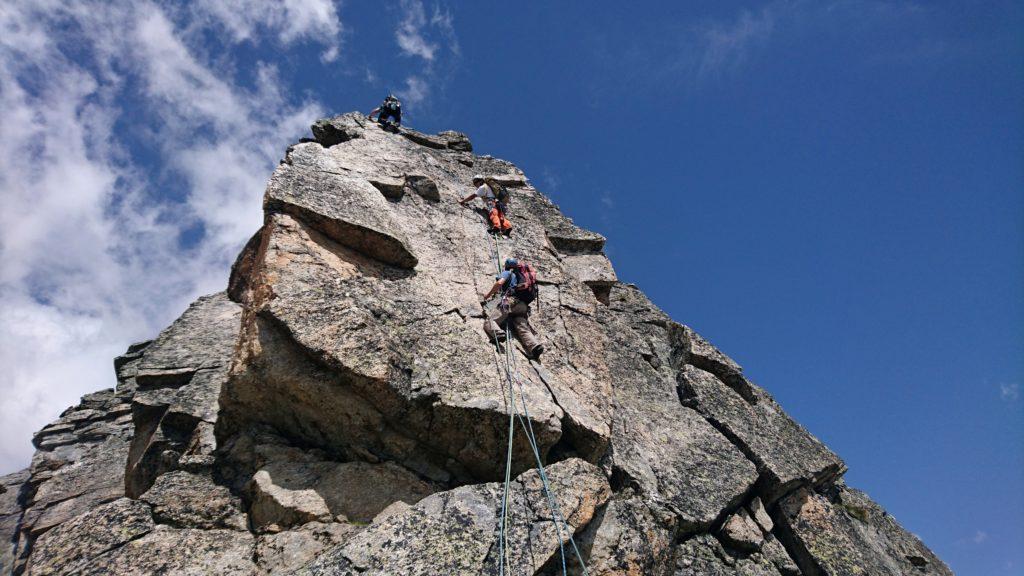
{"x": 1009, "y": 392}
{"x": 724, "y": 45}
{"x": 670, "y": 56}
{"x": 415, "y": 91}
{"x": 431, "y": 39}
{"x": 93, "y": 258}
{"x": 551, "y": 180}
{"x": 289, "y": 21}
{"x": 411, "y": 29}
{"x": 979, "y": 537}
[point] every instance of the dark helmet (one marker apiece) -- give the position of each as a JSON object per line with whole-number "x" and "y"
{"x": 511, "y": 263}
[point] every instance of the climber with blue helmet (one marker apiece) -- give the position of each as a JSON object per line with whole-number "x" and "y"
{"x": 517, "y": 285}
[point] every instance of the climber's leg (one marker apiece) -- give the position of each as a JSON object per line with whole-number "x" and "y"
{"x": 495, "y": 217}
{"x": 506, "y": 226}
{"x": 492, "y": 322}
{"x": 518, "y": 319}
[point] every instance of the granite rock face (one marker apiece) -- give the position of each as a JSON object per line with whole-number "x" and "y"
{"x": 339, "y": 410}
{"x": 841, "y": 531}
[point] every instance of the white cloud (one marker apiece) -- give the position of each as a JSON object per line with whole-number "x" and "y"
{"x": 415, "y": 91}
{"x": 979, "y": 537}
{"x": 551, "y": 180}
{"x": 1009, "y": 392}
{"x": 289, "y": 21}
{"x": 411, "y": 30}
{"x": 444, "y": 22}
{"x": 431, "y": 39}
{"x": 92, "y": 257}
{"x": 726, "y": 45}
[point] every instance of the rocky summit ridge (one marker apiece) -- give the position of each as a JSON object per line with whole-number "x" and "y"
{"x": 339, "y": 409}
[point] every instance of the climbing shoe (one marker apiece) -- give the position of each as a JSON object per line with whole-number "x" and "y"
{"x": 536, "y": 352}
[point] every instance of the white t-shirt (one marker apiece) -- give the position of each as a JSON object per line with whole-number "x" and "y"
{"x": 485, "y": 193}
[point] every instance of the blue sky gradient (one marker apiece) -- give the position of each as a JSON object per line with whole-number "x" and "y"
{"x": 831, "y": 192}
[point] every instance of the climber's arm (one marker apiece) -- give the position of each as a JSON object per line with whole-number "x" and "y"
{"x": 494, "y": 289}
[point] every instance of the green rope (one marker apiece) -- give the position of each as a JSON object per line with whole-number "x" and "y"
{"x": 512, "y": 375}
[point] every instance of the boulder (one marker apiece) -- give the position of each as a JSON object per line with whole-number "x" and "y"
{"x": 454, "y": 532}
{"x": 760, "y": 515}
{"x": 186, "y": 500}
{"x": 282, "y": 498}
{"x": 73, "y": 545}
{"x": 456, "y": 141}
{"x": 591, "y": 269}
{"x": 331, "y": 131}
{"x": 282, "y": 553}
{"x": 846, "y": 533}
{"x": 422, "y": 139}
{"x": 626, "y": 538}
{"x": 741, "y": 532}
{"x": 703, "y": 555}
{"x": 166, "y": 550}
{"x": 423, "y": 186}
{"x": 348, "y": 209}
{"x": 786, "y": 454}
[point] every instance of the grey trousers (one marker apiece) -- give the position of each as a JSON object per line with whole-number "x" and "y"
{"x": 517, "y": 315}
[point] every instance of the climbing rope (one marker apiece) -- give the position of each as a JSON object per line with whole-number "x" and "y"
{"x": 509, "y": 401}
{"x": 513, "y": 380}
{"x": 497, "y": 253}
{"x": 513, "y": 376}
{"x": 556, "y": 511}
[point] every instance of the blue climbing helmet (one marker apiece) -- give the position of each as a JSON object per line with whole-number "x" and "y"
{"x": 511, "y": 263}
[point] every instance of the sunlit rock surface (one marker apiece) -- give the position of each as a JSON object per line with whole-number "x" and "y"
{"x": 339, "y": 410}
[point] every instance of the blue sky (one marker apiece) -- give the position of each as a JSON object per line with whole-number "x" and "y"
{"x": 829, "y": 191}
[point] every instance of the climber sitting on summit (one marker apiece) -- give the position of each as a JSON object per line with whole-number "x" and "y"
{"x": 518, "y": 287}
{"x": 495, "y": 198}
{"x": 390, "y": 109}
